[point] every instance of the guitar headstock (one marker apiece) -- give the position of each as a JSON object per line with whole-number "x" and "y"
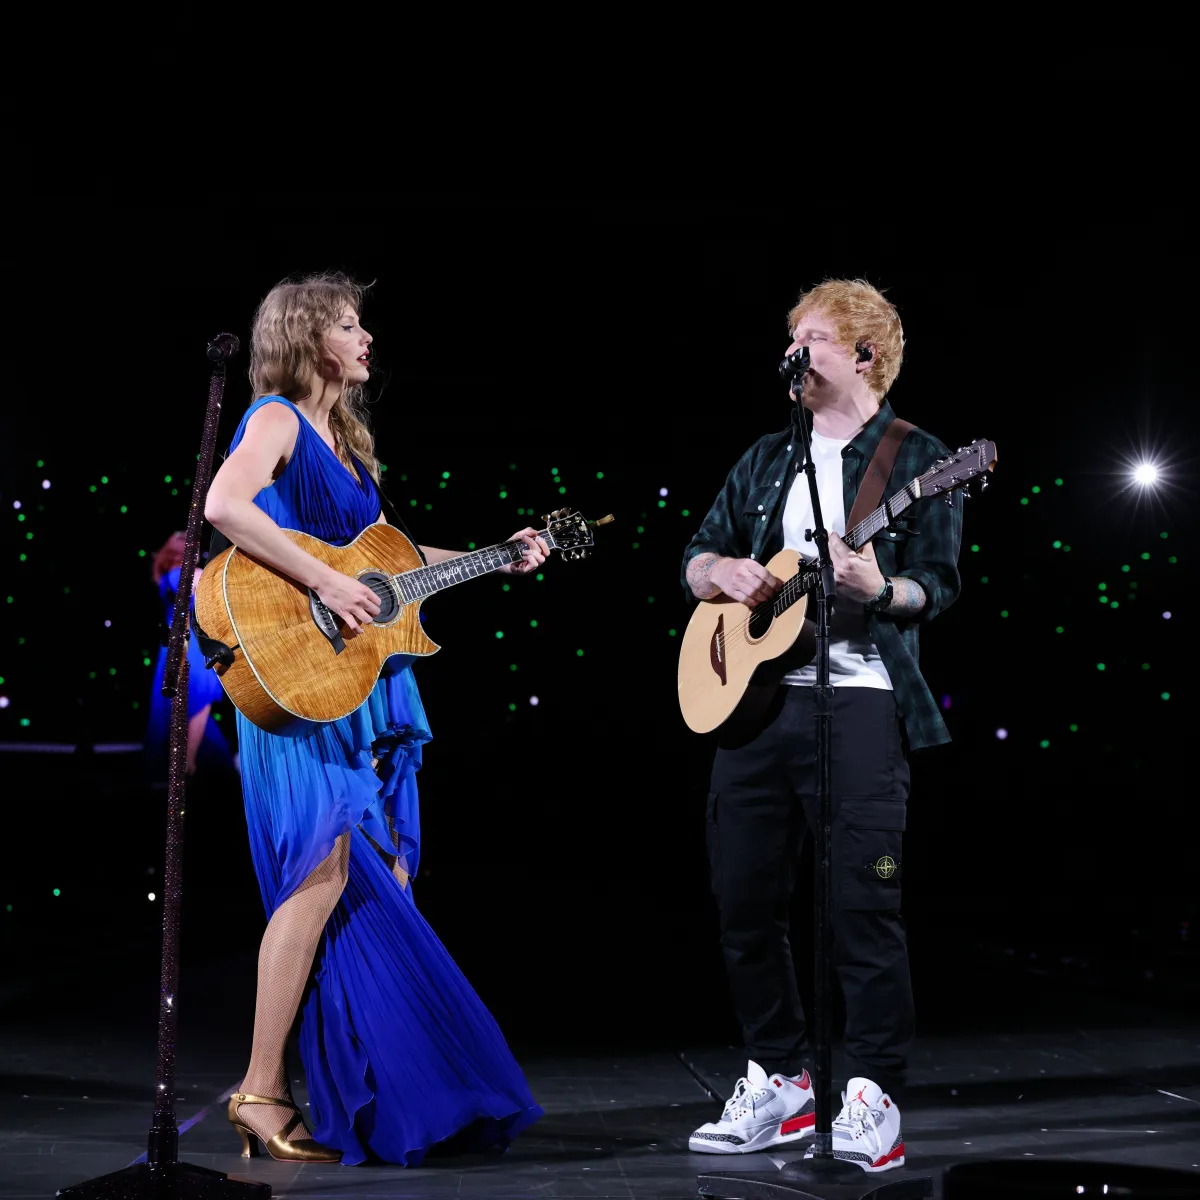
{"x": 569, "y": 533}
{"x": 966, "y": 463}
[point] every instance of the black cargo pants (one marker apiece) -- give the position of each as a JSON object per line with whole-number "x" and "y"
{"x": 761, "y": 806}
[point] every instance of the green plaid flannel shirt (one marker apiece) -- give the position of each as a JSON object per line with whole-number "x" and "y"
{"x": 746, "y": 521}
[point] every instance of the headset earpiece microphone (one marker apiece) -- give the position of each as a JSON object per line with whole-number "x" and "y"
{"x": 864, "y": 352}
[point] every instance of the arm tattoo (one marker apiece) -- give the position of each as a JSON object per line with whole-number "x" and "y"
{"x": 698, "y": 571}
{"x": 908, "y": 597}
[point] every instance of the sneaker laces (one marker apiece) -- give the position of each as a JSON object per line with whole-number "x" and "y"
{"x": 854, "y": 1119}
{"x": 742, "y": 1098}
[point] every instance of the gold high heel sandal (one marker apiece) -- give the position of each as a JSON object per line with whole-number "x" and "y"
{"x": 278, "y": 1147}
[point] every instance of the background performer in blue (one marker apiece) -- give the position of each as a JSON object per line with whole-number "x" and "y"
{"x": 399, "y": 1051}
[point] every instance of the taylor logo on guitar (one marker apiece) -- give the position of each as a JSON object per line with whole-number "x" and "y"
{"x": 280, "y": 652}
{"x": 728, "y": 645}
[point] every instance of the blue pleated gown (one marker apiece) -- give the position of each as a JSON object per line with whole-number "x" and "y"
{"x": 398, "y": 1050}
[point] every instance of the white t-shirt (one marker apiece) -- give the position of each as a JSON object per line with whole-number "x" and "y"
{"x": 853, "y": 659}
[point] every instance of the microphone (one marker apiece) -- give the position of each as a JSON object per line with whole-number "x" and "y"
{"x": 224, "y": 346}
{"x": 794, "y": 365}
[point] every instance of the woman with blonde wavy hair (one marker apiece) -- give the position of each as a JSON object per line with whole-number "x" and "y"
{"x": 399, "y": 1051}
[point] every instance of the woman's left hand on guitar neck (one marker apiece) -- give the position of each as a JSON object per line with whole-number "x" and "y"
{"x": 536, "y": 552}
{"x": 855, "y": 572}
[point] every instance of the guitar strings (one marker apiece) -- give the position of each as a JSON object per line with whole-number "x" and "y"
{"x": 384, "y": 592}
{"x": 799, "y": 583}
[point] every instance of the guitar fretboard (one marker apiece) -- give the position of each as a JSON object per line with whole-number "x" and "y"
{"x": 873, "y": 522}
{"x": 805, "y": 580}
{"x": 425, "y": 581}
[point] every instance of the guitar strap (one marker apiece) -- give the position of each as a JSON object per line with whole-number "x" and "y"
{"x": 870, "y": 491}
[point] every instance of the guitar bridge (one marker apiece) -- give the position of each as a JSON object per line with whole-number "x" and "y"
{"x": 716, "y": 649}
{"x": 325, "y": 620}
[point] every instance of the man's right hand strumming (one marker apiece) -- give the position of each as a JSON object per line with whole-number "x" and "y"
{"x": 354, "y": 602}
{"x": 741, "y": 579}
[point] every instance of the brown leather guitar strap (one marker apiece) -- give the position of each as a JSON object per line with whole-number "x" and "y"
{"x": 870, "y": 492}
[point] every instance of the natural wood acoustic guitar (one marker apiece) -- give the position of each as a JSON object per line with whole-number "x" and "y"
{"x": 730, "y": 649}
{"x": 280, "y": 652}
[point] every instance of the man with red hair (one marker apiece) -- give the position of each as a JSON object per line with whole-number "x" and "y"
{"x": 762, "y": 798}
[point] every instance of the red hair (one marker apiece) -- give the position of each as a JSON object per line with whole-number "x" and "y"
{"x": 860, "y": 314}
{"x": 170, "y": 555}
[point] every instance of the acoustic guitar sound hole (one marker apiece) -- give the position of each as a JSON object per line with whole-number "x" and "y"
{"x": 760, "y": 621}
{"x": 381, "y": 585}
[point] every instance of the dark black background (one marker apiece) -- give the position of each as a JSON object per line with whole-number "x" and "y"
{"x": 563, "y": 858}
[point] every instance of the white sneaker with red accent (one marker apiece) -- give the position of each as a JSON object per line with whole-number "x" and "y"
{"x": 764, "y": 1110}
{"x": 867, "y": 1130}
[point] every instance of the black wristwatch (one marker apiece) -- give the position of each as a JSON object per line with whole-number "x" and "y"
{"x": 884, "y": 600}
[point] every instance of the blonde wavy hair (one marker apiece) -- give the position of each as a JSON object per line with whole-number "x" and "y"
{"x": 286, "y": 345}
{"x": 859, "y": 313}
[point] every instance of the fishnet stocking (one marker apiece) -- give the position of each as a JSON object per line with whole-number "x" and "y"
{"x": 284, "y": 962}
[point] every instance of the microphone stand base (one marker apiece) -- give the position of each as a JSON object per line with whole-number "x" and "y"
{"x": 170, "y": 1181}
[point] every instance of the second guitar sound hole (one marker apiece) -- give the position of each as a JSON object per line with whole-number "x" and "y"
{"x": 760, "y": 621}
{"x": 381, "y": 585}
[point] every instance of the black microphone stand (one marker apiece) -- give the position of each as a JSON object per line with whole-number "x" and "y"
{"x": 162, "y": 1176}
{"x": 818, "y": 1176}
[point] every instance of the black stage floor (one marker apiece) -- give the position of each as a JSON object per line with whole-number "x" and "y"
{"x": 1044, "y": 1032}
{"x": 75, "y": 1105}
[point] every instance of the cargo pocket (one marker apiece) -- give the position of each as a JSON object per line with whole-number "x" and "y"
{"x": 868, "y": 840}
{"x": 713, "y": 841}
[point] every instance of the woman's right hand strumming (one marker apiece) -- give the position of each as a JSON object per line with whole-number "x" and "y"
{"x": 354, "y": 602}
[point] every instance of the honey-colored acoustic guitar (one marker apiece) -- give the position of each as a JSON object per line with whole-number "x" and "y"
{"x": 729, "y": 649}
{"x": 280, "y": 652}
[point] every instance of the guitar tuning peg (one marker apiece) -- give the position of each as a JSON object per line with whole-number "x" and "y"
{"x": 546, "y": 518}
